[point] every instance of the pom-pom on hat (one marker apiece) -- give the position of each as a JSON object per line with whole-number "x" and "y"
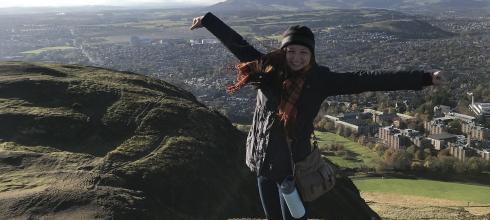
{"x": 299, "y": 34}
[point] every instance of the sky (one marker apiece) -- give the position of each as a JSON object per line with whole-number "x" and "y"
{"x": 61, "y": 3}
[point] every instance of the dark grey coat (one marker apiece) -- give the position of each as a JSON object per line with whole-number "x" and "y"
{"x": 267, "y": 150}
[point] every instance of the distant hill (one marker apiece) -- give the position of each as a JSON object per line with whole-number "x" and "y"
{"x": 403, "y": 25}
{"x": 90, "y": 143}
{"x": 237, "y": 5}
{"x": 407, "y": 28}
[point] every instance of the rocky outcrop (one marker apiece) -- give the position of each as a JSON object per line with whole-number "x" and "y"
{"x": 89, "y": 143}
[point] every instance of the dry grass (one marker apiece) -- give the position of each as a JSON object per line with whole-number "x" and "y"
{"x": 396, "y": 206}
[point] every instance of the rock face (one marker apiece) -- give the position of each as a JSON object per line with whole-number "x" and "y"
{"x": 89, "y": 143}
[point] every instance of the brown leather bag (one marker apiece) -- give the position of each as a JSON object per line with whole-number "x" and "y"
{"x": 314, "y": 176}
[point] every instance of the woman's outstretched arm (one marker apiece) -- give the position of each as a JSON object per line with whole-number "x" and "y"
{"x": 361, "y": 81}
{"x": 230, "y": 38}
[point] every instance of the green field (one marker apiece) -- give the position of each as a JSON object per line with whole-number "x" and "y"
{"x": 38, "y": 51}
{"x": 364, "y": 156}
{"x": 427, "y": 188}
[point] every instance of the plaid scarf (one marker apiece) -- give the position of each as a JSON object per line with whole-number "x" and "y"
{"x": 290, "y": 93}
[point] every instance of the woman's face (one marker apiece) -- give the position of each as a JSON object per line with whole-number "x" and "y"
{"x": 297, "y": 56}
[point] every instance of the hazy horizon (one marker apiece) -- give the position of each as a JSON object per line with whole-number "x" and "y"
{"x": 63, "y": 3}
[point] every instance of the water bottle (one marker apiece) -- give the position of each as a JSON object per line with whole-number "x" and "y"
{"x": 291, "y": 196}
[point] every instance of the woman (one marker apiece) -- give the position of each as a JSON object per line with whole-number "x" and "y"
{"x": 289, "y": 98}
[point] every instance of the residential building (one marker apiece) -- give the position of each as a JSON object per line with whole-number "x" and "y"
{"x": 440, "y": 140}
{"x": 436, "y": 126}
{"x": 465, "y": 147}
{"x": 354, "y": 122}
{"x": 399, "y": 138}
{"x": 380, "y": 117}
{"x": 476, "y": 132}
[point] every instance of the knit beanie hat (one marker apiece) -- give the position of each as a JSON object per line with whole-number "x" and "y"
{"x": 299, "y": 34}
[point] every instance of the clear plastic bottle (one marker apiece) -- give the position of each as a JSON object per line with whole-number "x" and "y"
{"x": 291, "y": 196}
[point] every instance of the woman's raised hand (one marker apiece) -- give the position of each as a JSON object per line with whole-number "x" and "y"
{"x": 197, "y": 23}
{"x": 438, "y": 78}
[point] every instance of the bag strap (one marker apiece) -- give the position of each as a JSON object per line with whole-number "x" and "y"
{"x": 289, "y": 141}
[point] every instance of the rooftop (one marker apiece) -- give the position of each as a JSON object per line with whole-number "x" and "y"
{"x": 442, "y": 136}
{"x": 481, "y": 108}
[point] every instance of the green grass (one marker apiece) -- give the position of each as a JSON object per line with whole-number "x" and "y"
{"x": 427, "y": 188}
{"x": 38, "y": 51}
{"x": 364, "y": 156}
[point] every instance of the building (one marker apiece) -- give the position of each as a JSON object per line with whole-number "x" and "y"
{"x": 465, "y": 147}
{"x": 440, "y": 140}
{"x": 460, "y": 148}
{"x": 482, "y": 110}
{"x": 462, "y": 117}
{"x": 381, "y": 117}
{"x": 437, "y": 126}
{"x": 354, "y": 122}
{"x": 476, "y": 132}
{"x": 203, "y": 41}
{"x": 399, "y": 138}
{"x": 440, "y": 125}
{"x": 485, "y": 154}
{"x": 457, "y": 152}
{"x": 441, "y": 110}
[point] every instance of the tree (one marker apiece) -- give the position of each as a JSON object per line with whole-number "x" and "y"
{"x": 380, "y": 148}
{"x": 460, "y": 167}
{"x": 397, "y": 159}
{"x": 430, "y": 164}
{"x": 329, "y": 125}
{"x": 362, "y": 140}
{"x": 347, "y": 132}
{"x": 454, "y": 127}
{"x": 412, "y": 149}
{"x": 320, "y": 125}
{"x": 446, "y": 164}
{"x": 443, "y": 153}
{"x": 426, "y": 145}
{"x": 420, "y": 154}
{"x": 475, "y": 165}
{"x": 340, "y": 129}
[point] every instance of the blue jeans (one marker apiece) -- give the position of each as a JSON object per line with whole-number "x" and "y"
{"x": 273, "y": 203}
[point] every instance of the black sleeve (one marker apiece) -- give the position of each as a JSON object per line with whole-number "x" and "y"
{"x": 357, "y": 82}
{"x": 230, "y": 38}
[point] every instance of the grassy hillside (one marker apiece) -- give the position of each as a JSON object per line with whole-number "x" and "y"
{"x": 85, "y": 143}
{"x": 363, "y": 157}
